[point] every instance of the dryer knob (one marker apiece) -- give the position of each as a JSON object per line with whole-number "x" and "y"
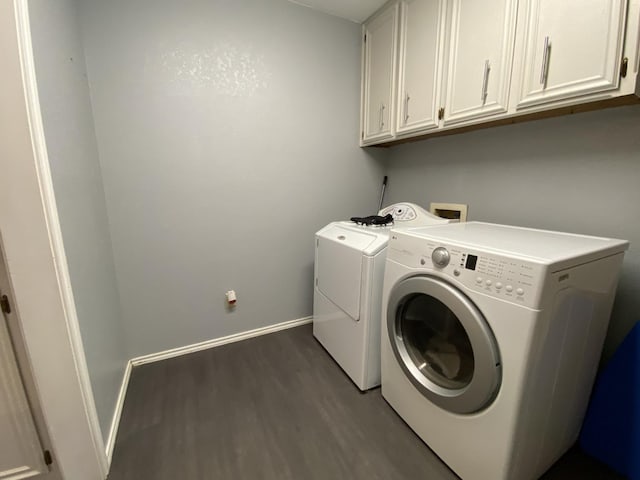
{"x": 440, "y": 257}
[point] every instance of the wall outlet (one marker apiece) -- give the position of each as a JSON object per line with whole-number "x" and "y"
{"x": 231, "y": 298}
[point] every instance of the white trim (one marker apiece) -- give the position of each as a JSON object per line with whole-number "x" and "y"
{"x": 115, "y": 422}
{"x": 53, "y": 225}
{"x": 216, "y": 342}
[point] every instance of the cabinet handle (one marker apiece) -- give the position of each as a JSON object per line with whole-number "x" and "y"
{"x": 485, "y": 81}
{"x": 406, "y": 108}
{"x": 545, "y": 61}
{"x": 381, "y": 113}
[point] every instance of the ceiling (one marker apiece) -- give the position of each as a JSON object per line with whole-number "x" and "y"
{"x": 354, "y": 10}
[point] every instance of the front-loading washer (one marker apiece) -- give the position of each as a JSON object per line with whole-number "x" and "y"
{"x": 349, "y": 267}
{"x": 491, "y": 339}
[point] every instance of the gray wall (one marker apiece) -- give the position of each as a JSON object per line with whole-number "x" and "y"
{"x": 73, "y": 155}
{"x": 227, "y": 136}
{"x": 577, "y": 173}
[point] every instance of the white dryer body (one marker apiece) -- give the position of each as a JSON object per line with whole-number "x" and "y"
{"x": 489, "y": 352}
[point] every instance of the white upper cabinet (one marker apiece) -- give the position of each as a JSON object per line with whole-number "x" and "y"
{"x": 422, "y": 25}
{"x": 480, "y": 53}
{"x": 380, "y": 36}
{"x": 571, "y": 48}
{"x": 435, "y": 65}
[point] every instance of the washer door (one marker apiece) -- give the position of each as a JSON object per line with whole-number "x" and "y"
{"x": 443, "y": 344}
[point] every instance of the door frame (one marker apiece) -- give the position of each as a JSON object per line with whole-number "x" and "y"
{"x": 36, "y": 262}
{"x": 22, "y": 386}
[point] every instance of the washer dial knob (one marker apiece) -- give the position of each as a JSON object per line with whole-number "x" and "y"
{"x": 441, "y": 257}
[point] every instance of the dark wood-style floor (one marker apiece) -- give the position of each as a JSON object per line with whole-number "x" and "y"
{"x": 274, "y": 407}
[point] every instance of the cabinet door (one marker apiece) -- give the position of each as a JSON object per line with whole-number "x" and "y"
{"x": 420, "y": 64}
{"x": 378, "y": 85}
{"x": 572, "y": 48}
{"x": 480, "y": 57}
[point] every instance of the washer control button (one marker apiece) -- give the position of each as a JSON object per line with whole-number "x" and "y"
{"x": 520, "y": 291}
{"x": 509, "y": 288}
{"x": 488, "y": 283}
{"x": 441, "y": 257}
{"x": 498, "y": 285}
{"x": 478, "y": 280}
{"x": 422, "y": 261}
{"x": 456, "y": 272}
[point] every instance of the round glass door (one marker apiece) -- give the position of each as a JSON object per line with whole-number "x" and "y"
{"x": 436, "y": 341}
{"x": 443, "y": 344}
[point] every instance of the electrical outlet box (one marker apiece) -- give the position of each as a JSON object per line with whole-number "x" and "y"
{"x": 452, "y": 211}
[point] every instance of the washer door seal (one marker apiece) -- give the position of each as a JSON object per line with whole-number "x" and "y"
{"x": 443, "y": 344}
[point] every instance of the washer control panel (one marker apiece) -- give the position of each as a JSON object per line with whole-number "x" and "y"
{"x": 512, "y": 279}
{"x": 401, "y": 212}
{"x": 411, "y": 214}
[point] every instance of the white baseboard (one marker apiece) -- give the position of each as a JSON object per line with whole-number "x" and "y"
{"x": 175, "y": 352}
{"x": 115, "y": 421}
{"x": 216, "y": 342}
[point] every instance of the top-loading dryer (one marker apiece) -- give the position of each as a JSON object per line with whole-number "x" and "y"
{"x": 349, "y": 269}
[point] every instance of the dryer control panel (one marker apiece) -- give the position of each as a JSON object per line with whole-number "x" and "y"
{"x": 499, "y": 275}
{"x": 512, "y": 279}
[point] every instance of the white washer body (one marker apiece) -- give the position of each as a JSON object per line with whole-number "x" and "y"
{"x": 534, "y": 306}
{"x": 349, "y": 269}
